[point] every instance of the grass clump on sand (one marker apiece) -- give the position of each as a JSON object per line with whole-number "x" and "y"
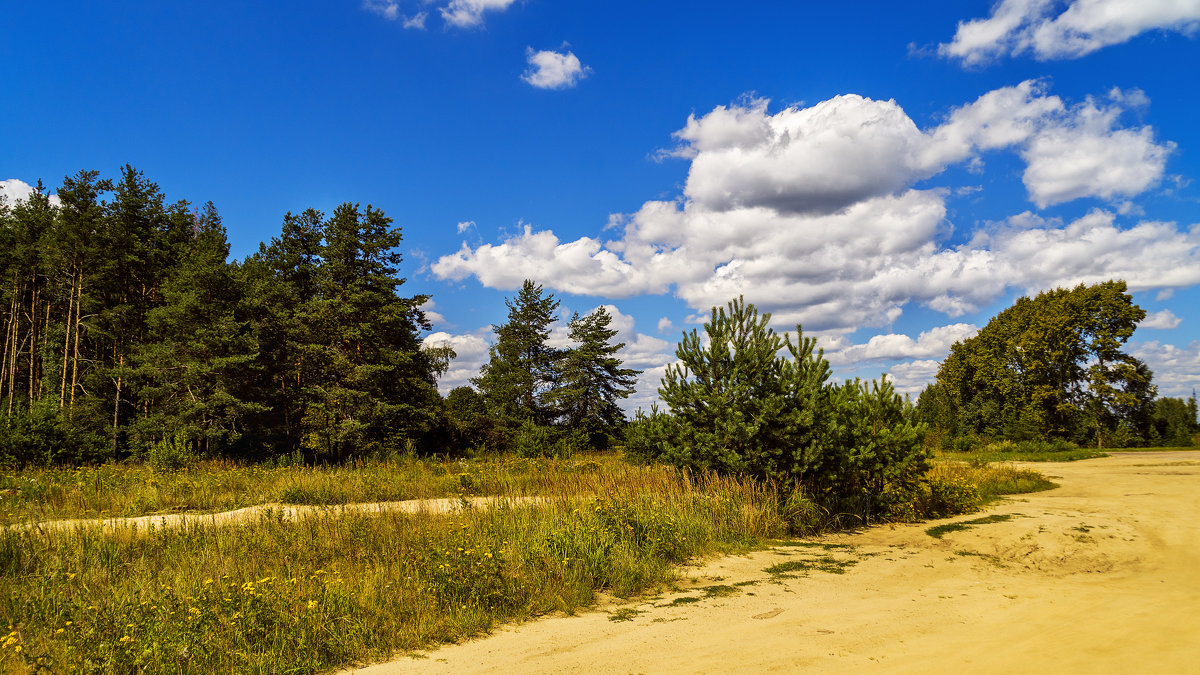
{"x": 939, "y": 531}
{"x": 824, "y": 563}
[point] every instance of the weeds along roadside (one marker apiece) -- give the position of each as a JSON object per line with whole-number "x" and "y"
{"x": 326, "y": 591}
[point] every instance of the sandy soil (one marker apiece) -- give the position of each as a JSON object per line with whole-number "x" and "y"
{"x": 1101, "y": 575}
{"x": 272, "y": 511}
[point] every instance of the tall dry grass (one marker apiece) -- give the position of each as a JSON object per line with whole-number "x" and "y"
{"x": 307, "y": 596}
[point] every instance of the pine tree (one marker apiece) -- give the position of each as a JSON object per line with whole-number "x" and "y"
{"x": 592, "y": 379}
{"x": 195, "y": 369}
{"x": 375, "y": 386}
{"x": 282, "y": 278}
{"x": 522, "y": 370}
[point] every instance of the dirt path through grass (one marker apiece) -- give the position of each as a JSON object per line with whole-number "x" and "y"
{"x": 276, "y": 511}
{"x": 1101, "y": 575}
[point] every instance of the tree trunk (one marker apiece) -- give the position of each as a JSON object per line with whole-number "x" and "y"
{"x": 75, "y": 349}
{"x": 11, "y": 347}
{"x": 9, "y": 327}
{"x": 117, "y": 409}
{"x": 62, "y": 386}
{"x": 33, "y": 334}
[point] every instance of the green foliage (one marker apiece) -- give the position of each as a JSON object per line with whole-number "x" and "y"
{"x": 171, "y": 454}
{"x": 41, "y": 436}
{"x": 123, "y": 312}
{"x": 1047, "y": 367}
{"x": 468, "y": 421}
{"x": 591, "y": 380}
{"x": 521, "y": 372}
{"x": 744, "y": 400}
{"x": 932, "y": 497}
{"x": 1173, "y": 422}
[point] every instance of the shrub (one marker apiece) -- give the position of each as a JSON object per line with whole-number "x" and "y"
{"x": 171, "y": 454}
{"x": 40, "y": 436}
{"x": 934, "y": 496}
{"x": 747, "y": 401}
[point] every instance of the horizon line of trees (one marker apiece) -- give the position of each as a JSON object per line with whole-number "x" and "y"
{"x": 126, "y": 328}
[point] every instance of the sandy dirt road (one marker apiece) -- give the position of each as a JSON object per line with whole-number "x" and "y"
{"x": 1101, "y": 575}
{"x": 290, "y": 512}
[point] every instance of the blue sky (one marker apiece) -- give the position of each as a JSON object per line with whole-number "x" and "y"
{"x": 890, "y": 174}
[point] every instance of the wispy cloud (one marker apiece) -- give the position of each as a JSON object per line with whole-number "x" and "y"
{"x": 1038, "y": 27}
{"x": 388, "y": 9}
{"x": 469, "y": 13}
{"x": 456, "y": 13}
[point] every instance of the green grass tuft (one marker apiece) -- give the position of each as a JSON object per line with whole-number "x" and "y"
{"x": 939, "y": 531}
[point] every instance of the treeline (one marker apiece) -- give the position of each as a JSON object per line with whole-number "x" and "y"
{"x": 126, "y": 326}
{"x": 128, "y": 332}
{"x": 1051, "y": 370}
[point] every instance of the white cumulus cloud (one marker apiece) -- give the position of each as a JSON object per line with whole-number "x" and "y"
{"x": 1046, "y": 30}
{"x": 912, "y": 376}
{"x": 472, "y": 353}
{"x": 934, "y": 343}
{"x": 553, "y": 70}
{"x": 814, "y": 215}
{"x": 14, "y": 190}
{"x": 1176, "y": 369}
{"x": 1162, "y": 320}
{"x": 469, "y": 13}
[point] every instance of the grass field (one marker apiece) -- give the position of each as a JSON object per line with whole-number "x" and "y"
{"x": 989, "y": 455}
{"x": 274, "y": 595}
{"x": 135, "y": 489}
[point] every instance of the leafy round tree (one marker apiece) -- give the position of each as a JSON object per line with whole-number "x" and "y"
{"x": 1049, "y": 367}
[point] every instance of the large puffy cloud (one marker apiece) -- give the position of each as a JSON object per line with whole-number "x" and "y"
{"x": 1086, "y": 155}
{"x": 813, "y": 214}
{"x": 817, "y": 159}
{"x": 1149, "y": 256}
{"x": 1038, "y": 27}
